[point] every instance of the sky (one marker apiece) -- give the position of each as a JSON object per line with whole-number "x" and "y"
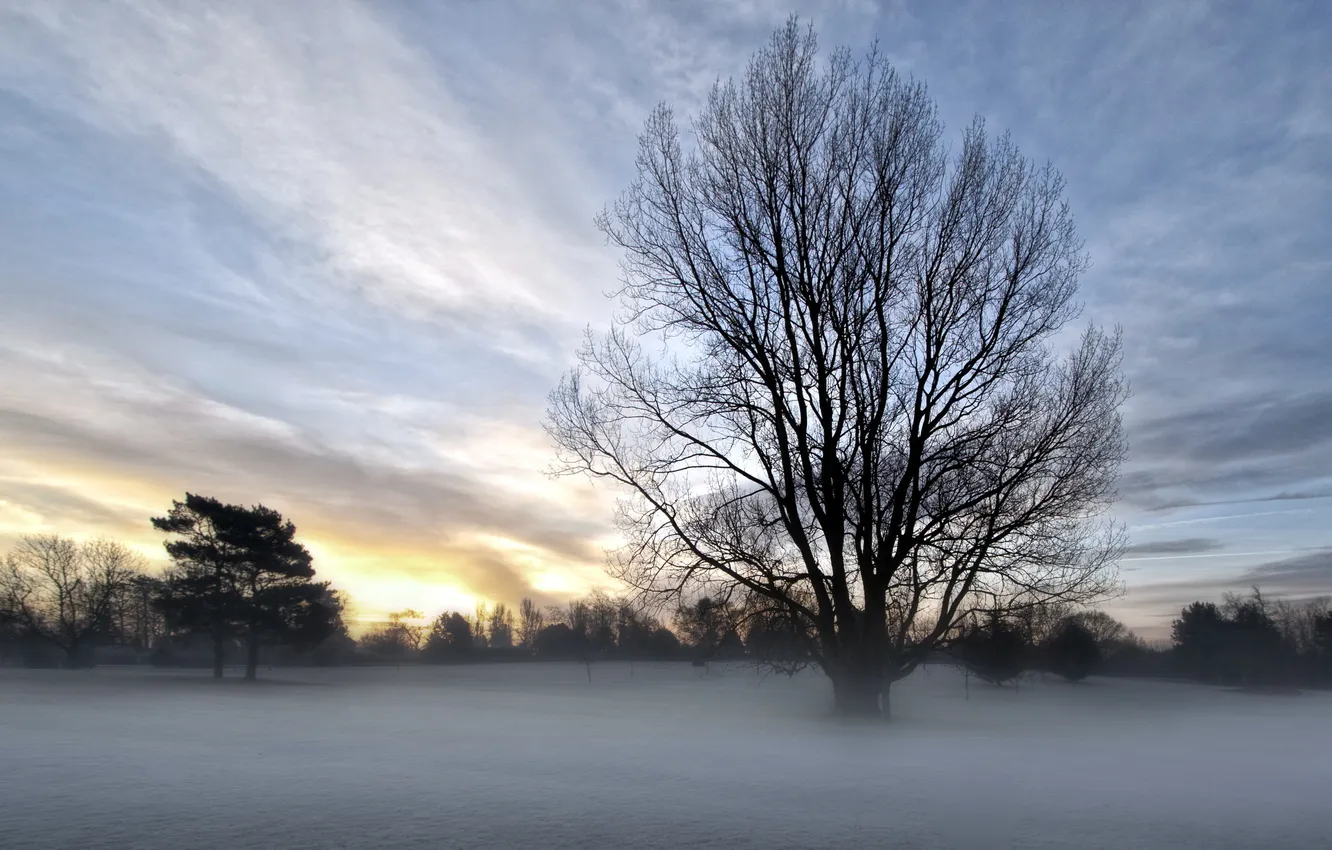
{"x": 331, "y": 256}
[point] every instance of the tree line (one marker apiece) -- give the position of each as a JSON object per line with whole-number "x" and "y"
{"x": 241, "y": 588}
{"x": 1245, "y": 641}
{"x": 238, "y": 580}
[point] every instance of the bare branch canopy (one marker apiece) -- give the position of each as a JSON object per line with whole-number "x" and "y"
{"x": 841, "y": 382}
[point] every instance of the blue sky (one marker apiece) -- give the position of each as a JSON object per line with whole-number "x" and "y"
{"x": 332, "y": 256}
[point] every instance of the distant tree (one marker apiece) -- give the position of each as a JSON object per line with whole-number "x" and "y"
{"x": 397, "y": 637}
{"x": 662, "y": 644}
{"x": 994, "y": 649}
{"x": 1322, "y": 642}
{"x": 500, "y": 626}
{"x": 1037, "y": 618}
{"x": 240, "y": 573}
{"x": 559, "y": 640}
{"x": 64, "y": 593}
{"x": 1236, "y": 643}
{"x": 1107, "y": 631}
{"x": 1073, "y": 651}
{"x": 776, "y": 640}
{"x": 449, "y": 639}
{"x": 481, "y": 626}
{"x": 1255, "y": 650}
{"x": 708, "y": 625}
{"x": 603, "y": 618}
{"x": 1199, "y": 637}
{"x": 138, "y": 622}
{"x": 531, "y": 620}
{"x": 337, "y": 645}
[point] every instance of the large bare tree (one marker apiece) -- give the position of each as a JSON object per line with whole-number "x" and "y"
{"x": 836, "y": 382}
{"x": 66, "y": 593}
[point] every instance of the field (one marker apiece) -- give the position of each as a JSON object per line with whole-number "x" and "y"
{"x": 534, "y": 755}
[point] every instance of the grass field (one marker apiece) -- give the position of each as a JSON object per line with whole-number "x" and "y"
{"x": 533, "y": 755}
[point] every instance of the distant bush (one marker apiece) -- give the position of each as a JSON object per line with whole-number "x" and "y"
{"x": 993, "y": 650}
{"x": 1072, "y": 652}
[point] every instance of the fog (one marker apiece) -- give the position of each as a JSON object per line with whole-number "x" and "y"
{"x": 657, "y": 755}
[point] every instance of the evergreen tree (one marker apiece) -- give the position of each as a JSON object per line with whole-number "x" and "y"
{"x": 1073, "y": 651}
{"x": 240, "y": 573}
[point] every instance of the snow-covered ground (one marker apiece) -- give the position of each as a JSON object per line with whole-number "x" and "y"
{"x": 534, "y": 755}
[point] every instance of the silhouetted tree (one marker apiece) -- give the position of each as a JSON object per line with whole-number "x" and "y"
{"x": 397, "y": 637}
{"x": 501, "y": 626}
{"x": 1107, "y": 631}
{"x": 200, "y": 594}
{"x": 559, "y": 640}
{"x": 138, "y": 622}
{"x": 1255, "y": 650}
{"x": 708, "y": 626}
{"x": 775, "y": 641}
{"x": 1072, "y": 652}
{"x": 240, "y": 573}
{"x": 1199, "y": 639}
{"x": 64, "y": 593}
{"x": 1322, "y": 642}
{"x": 481, "y": 626}
{"x": 531, "y": 619}
{"x": 870, "y": 390}
{"x": 1236, "y": 643}
{"x": 450, "y": 639}
{"x": 277, "y": 599}
{"x": 337, "y": 645}
{"x": 994, "y": 649}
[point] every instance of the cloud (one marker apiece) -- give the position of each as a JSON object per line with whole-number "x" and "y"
{"x": 1183, "y": 546}
{"x": 1303, "y": 575}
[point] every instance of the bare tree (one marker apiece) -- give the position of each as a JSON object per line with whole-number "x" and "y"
{"x": 857, "y": 400}
{"x": 65, "y": 593}
{"x": 500, "y": 627}
{"x": 1108, "y": 631}
{"x": 531, "y": 620}
{"x": 401, "y": 635}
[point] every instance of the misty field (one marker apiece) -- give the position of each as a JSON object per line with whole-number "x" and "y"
{"x": 534, "y": 755}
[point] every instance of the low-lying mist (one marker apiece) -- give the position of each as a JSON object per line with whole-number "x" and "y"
{"x": 653, "y": 755}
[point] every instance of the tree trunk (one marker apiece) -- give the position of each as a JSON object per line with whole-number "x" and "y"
{"x": 73, "y": 658}
{"x": 252, "y": 655}
{"x": 219, "y": 654}
{"x": 856, "y": 692}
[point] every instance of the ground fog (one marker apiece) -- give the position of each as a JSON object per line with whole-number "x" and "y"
{"x": 660, "y": 756}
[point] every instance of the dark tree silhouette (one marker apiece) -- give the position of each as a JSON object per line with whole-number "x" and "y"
{"x": 278, "y": 602}
{"x": 1322, "y": 647}
{"x": 500, "y": 626}
{"x": 994, "y": 649}
{"x": 1107, "y": 631}
{"x": 399, "y": 636}
{"x": 1237, "y": 643}
{"x": 559, "y": 640}
{"x": 450, "y": 639}
{"x": 64, "y": 593}
{"x": 1199, "y": 638}
{"x": 1073, "y": 651}
{"x": 531, "y": 620}
{"x": 241, "y": 573}
{"x": 709, "y": 627}
{"x": 868, "y": 389}
{"x": 776, "y": 640}
{"x": 138, "y": 622}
